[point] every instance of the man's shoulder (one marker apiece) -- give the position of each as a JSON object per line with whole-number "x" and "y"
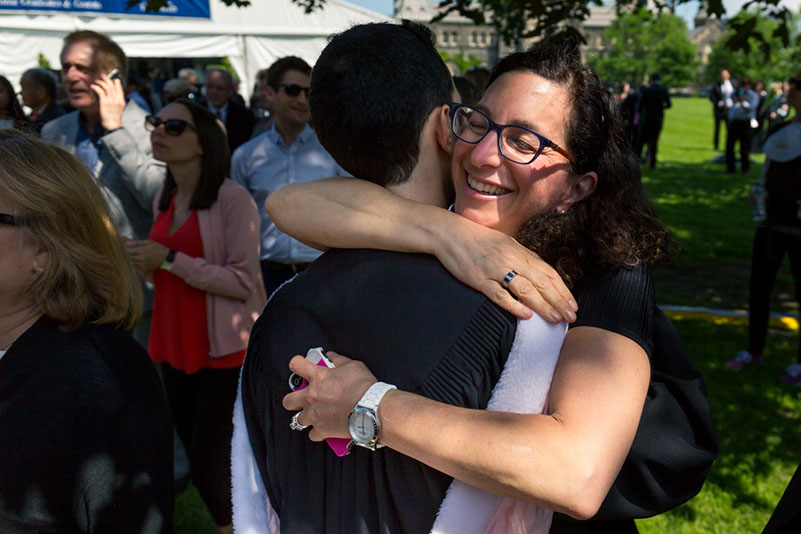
{"x": 262, "y": 144}
{"x": 395, "y": 277}
{"x": 59, "y": 124}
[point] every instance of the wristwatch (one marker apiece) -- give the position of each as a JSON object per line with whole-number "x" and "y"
{"x": 363, "y": 424}
{"x": 167, "y": 263}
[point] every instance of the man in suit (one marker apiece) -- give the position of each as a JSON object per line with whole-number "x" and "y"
{"x": 287, "y": 152}
{"x": 237, "y": 118}
{"x": 108, "y": 134}
{"x": 720, "y": 94}
{"x": 655, "y": 100}
{"x": 39, "y": 94}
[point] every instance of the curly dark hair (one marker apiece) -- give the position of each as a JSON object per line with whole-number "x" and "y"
{"x": 616, "y": 226}
{"x": 13, "y": 109}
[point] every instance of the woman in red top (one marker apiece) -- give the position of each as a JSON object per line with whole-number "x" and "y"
{"x": 203, "y": 258}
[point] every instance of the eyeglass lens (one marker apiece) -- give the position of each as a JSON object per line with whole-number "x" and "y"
{"x": 517, "y": 144}
{"x": 5, "y": 218}
{"x": 293, "y": 89}
{"x": 173, "y": 127}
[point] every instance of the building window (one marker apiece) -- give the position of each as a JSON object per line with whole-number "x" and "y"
{"x": 444, "y": 38}
{"x": 473, "y": 38}
{"x": 455, "y": 37}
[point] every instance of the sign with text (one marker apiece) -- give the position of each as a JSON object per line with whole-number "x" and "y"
{"x": 175, "y": 8}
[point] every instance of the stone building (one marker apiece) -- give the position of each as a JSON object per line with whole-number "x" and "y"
{"x": 708, "y": 30}
{"x": 458, "y": 35}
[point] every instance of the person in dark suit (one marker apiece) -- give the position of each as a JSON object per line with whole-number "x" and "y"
{"x": 238, "y": 119}
{"x": 39, "y": 94}
{"x": 720, "y": 94}
{"x": 655, "y": 100}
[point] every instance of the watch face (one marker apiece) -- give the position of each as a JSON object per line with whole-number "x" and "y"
{"x": 362, "y": 426}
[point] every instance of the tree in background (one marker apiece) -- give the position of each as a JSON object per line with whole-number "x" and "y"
{"x": 640, "y": 43}
{"x": 517, "y": 20}
{"x": 762, "y": 57}
{"x": 459, "y": 60}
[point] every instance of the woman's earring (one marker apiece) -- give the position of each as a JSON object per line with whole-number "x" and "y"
{"x": 562, "y": 212}
{"x": 39, "y": 270}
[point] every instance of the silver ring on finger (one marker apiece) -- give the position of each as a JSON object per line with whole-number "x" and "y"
{"x": 508, "y": 278}
{"x": 294, "y": 425}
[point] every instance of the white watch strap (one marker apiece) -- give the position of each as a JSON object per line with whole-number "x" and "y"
{"x": 372, "y": 398}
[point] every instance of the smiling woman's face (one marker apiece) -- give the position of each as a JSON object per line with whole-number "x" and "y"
{"x": 500, "y": 194}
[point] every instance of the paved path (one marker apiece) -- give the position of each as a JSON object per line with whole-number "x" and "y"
{"x": 740, "y": 317}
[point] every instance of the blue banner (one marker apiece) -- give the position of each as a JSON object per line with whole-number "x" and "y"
{"x": 175, "y": 8}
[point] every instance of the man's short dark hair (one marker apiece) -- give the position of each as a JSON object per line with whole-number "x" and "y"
{"x": 227, "y": 76}
{"x": 281, "y": 66}
{"x": 42, "y": 78}
{"x": 372, "y": 90}
{"x": 111, "y": 55}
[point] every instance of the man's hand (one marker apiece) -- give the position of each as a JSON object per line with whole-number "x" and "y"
{"x": 330, "y": 396}
{"x": 111, "y": 100}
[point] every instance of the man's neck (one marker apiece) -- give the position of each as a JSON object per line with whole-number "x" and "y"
{"x": 91, "y": 117}
{"x": 428, "y": 182}
{"x": 41, "y": 107}
{"x": 289, "y": 132}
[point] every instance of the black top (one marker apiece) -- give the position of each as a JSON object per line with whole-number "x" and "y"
{"x": 415, "y": 326}
{"x": 86, "y": 435}
{"x": 675, "y": 443}
{"x": 783, "y": 185}
{"x": 655, "y": 99}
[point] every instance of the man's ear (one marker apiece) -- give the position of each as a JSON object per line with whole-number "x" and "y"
{"x": 444, "y": 136}
{"x": 581, "y": 187}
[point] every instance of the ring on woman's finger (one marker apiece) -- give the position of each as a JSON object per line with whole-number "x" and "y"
{"x": 508, "y": 278}
{"x": 294, "y": 425}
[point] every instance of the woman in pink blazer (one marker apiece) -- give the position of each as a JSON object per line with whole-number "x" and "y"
{"x": 203, "y": 257}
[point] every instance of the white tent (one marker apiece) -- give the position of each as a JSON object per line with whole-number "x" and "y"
{"x": 251, "y": 37}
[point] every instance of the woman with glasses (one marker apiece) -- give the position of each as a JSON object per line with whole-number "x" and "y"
{"x": 203, "y": 257}
{"x": 779, "y": 234}
{"x": 86, "y": 431}
{"x": 11, "y": 112}
{"x": 542, "y": 158}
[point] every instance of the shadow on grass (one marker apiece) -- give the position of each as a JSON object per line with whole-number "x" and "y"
{"x": 709, "y": 213}
{"x": 758, "y": 418}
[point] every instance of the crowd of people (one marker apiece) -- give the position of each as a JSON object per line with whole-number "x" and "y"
{"x": 151, "y": 223}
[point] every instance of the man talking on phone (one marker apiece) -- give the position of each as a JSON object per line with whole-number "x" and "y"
{"x": 108, "y": 135}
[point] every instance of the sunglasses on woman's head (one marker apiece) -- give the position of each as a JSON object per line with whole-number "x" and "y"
{"x": 293, "y": 89}
{"x": 10, "y": 220}
{"x": 172, "y": 127}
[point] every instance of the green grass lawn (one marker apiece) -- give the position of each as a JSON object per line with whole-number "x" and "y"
{"x": 758, "y": 419}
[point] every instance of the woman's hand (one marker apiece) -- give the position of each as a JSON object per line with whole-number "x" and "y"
{"x": 146, "y": 255}
{"x": 330, "y": 396}
{"x": 481, "y": 258}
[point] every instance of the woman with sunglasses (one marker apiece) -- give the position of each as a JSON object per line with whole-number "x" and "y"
{"x": 86, "y": 431}
{"x": 203, "y": 257}
{"x": 542, "y": 158}
{"x": 11, "y": 112}
{"x": 779, "y": 234}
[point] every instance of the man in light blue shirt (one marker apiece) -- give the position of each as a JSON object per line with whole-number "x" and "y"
{"x": 288, "y": 152}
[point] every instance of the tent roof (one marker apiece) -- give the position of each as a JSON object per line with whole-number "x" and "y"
{"x": 261, "y": 17}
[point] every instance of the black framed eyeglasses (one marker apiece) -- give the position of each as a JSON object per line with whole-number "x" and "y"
{"x": 293, "y": 89}
{"x": 5, "y": 218}
{"x": 515, "y": 143}
{"x": 172, "y": 127}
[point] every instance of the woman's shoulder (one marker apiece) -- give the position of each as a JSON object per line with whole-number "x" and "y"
{"x": 232, "y": 193}
{"x": 619, "y": 300}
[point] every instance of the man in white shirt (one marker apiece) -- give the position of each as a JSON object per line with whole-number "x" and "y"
{"x": 745, "y": 102}
{"x": 288, "y": 152}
